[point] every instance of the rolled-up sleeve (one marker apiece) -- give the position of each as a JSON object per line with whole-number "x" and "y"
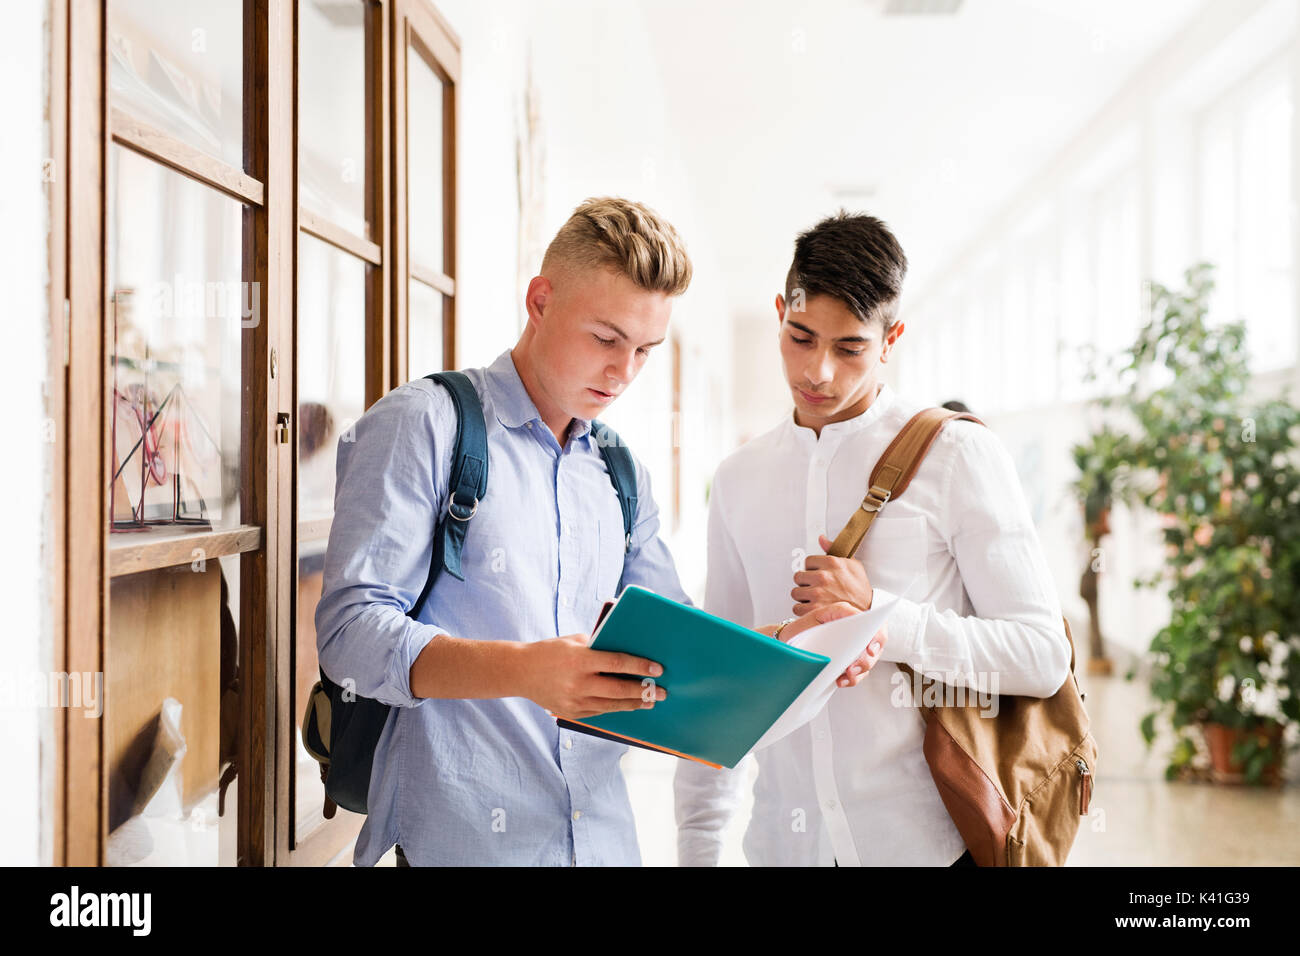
{"x": 392, "y": 469}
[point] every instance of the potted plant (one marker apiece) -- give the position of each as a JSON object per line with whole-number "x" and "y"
{"x": 1222, "y": 474}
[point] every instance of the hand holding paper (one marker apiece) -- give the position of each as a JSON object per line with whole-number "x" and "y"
{"x": 836, "y": 631}
{"x": 857, "y": 669}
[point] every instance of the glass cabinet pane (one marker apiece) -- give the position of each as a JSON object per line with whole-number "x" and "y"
{"x": 425, "y": 173}
{"x": 332, "y": 111}
{"x": 331, "y": 365}
{"x": 177, "y": 310}
{"x": 424, "y": 338}
{"x": 331, "y": 397}
{"x": 178, "y": 66}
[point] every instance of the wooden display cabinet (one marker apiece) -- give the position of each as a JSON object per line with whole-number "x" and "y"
{"x": 219, "y": 169}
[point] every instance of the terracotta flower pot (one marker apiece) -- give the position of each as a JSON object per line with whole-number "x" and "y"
{"x": 1221, "y": 740}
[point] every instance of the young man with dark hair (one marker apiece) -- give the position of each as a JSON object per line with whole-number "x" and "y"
{"x": 976, "y": 606}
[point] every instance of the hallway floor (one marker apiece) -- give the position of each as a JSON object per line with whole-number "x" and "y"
{"x": 1150, "y": 822}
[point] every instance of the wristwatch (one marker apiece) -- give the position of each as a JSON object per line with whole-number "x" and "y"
{"x": 781, "y": 627}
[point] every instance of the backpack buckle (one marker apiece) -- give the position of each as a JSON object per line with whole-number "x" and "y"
{"x": 875, "y": 499}
{"x": 453, "y": 504}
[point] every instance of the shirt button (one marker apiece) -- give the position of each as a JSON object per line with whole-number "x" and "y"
{"x": 566, "y": 601}
{"x": 821, "y": 735}
{"x": 577, "y": 814}
{"x": 831, "y": 804}
{"x": 568, "y": 743}
{"x": 528, "y": 424}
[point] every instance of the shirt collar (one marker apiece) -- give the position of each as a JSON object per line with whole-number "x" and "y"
{"x": 836, "y": 430}
{"x": 511, "y": 402}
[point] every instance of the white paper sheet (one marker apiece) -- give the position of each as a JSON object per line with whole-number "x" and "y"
{"x": 842, "y": 641}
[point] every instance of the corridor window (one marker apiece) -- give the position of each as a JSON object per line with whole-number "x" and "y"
{"x": 1266, "y": 231}
{"x": 1116, "y": 265}
{"x": 1245, "y": 190}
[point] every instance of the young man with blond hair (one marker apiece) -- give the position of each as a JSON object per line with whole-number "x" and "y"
{"x": 471, "y": 769}
{"x": 975, "y": 602}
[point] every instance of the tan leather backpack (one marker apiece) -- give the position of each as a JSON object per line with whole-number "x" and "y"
{"x": 1016, "y": 784}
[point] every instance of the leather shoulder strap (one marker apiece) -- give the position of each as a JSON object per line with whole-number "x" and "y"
{"x": 894, "y": 472}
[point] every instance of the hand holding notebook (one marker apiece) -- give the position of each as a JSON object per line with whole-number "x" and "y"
{"x": 728, "y": 686}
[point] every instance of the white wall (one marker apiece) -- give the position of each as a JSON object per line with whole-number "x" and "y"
{"x": 26, "y": 641}
{"x": 606, "y": 131}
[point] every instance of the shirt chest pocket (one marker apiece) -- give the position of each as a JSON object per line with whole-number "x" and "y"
{"x": 894, "y": 552}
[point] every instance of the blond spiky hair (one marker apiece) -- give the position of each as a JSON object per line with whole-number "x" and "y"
{"x": 626, "y": 236}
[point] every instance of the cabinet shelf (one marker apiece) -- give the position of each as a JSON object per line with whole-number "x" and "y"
{"x": 170, "y": 545}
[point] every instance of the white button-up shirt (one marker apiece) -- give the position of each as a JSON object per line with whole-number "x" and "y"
{"x": 976, "y": 608}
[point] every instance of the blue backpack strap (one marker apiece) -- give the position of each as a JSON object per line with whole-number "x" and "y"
{"x": 622, "y": 475}
{"x": 467, "y": 483}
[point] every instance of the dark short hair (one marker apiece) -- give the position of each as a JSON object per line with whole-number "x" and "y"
{"x": 854, "y": 258}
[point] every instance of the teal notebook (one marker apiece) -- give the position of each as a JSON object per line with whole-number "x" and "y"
{"x": 726, "y": 684}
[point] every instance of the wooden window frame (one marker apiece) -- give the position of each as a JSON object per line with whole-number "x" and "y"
{"x": 416, "y": 23}
{"x": 326, "y": 839}
{"x": 87, "y": 125}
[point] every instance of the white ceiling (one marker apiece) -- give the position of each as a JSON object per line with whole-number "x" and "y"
{"x": 786, "y": 111}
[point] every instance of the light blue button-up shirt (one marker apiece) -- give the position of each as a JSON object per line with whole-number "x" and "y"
{"x": 474, "y": 782}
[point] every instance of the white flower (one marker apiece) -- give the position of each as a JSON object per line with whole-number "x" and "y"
{"x": 1246, "y": 645}
{"x": 1278, "y": 653}
{"x": 1227, "y": 684}
{"x": 1266, "y": 702}
{"x": 1247, "y": 703}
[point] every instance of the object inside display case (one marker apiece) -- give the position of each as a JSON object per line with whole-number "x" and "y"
{"x": 166, "y": 463}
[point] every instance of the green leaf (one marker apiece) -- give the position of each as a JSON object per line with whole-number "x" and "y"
{"x": 1148, "y": 727}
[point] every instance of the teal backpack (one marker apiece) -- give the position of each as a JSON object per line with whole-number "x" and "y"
{"x": 340, "y": 729}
